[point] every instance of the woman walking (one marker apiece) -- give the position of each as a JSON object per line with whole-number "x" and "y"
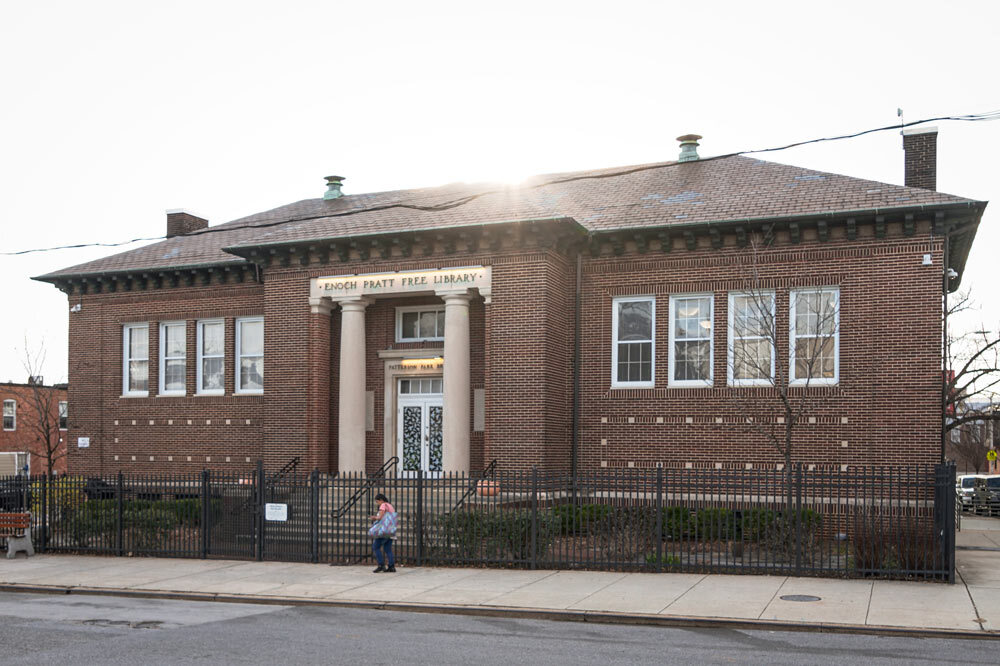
{"x": 383, "y": 530}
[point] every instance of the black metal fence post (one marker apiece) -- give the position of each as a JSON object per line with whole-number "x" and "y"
{"x": 259, "y": 512}
{"x": 798, "y": 518}
{"x": 314, "y": 513}
{"x": 120, "y": 516}
{"x": 534, "y": 517}
{"x": 206, "y": 499}
{"x": 659, "y": 518}
{"x": 420, "y": 517}
{"x": 45, "y": 513}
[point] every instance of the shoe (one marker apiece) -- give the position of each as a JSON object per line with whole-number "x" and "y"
{"x": 379, "y": 569}
{"x": 391, "y": 570}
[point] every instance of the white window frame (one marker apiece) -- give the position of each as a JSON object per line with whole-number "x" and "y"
{"x": 126, "y": 359}
{"x": 63, "y": 408}
{"x": 416, "y": 308}
{"x": 2, "y": 416}
{"x": 237, "y": 365}
{"x": 164, "y": 358}
{"x": 813, "y": 381}
{"x": 199, "y": 388}
{"x": 672, "y": 363}
{"x": 614, "y": 342}
{"x": 731, "y": 338}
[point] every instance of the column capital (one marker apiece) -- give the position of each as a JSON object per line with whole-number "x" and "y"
{"x": 354, "y": 304}
{"x": 454, "y": 295}
{"x": 320, "y": 305}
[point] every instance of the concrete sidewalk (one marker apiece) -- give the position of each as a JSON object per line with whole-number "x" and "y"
{"x": 970, "y": 608}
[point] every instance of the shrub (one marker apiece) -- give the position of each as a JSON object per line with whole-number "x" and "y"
{"x": 715, "y": 523}
{"x": 627, "y": 532}
{"x": 579, "y": 519}
{"x": 677, "y": 522}
{"x": 756, "y": 523}
{"x": 795, "y": 532}
{"x": 503, "y": 535}
{"x": 877, "y": 546}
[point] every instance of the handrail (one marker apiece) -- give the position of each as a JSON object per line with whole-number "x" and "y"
{"x": 372, "y": 480}
{"x": 287, "y": 469}
{"x": 488, "y": 472}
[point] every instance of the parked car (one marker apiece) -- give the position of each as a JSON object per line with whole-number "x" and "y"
{"x": 986, "y": 495}
{"x": 964, "y": 485}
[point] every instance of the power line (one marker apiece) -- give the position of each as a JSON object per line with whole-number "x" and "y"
{"x": 461, "y": 201}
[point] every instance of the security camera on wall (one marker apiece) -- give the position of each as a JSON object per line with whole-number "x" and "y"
{"x": 76, "y": 308}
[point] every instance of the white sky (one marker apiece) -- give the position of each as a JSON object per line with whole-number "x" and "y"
{"x": 113, "y": 112}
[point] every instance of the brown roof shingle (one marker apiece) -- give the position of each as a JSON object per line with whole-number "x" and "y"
{"x": 709, "y": 190}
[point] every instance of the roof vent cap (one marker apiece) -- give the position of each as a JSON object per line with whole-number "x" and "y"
{"x": 333, "y": 184}
{"x": 689, "y": 147}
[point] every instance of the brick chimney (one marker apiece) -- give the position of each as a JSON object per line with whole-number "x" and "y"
{"x": 180, "y": 222}
{"x": 920, "y": 157}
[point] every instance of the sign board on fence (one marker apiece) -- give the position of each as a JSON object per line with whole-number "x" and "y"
{"x": 276, "y": 512}
{"x": 991, "y": 455}
{"x": 83, "y": 442}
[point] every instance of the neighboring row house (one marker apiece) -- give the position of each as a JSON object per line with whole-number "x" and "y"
{"x": 34, "y": 428}
{"x": 626, "y": 317}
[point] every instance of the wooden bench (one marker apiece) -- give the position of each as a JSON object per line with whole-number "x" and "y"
{"x": 16, "y": 528}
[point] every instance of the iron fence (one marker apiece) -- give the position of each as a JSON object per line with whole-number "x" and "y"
{"x": 888, "y": 522}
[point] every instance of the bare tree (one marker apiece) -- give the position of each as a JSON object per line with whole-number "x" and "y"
{"x": 970, "y": 444}
{"x": 40, "y": 433}
{"x": 774, "y": 362}
{"x": 972, "y": 371}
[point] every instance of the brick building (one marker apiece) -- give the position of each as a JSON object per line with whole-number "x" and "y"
{"x": 585, "y": 319}
{"x": 34, "y": 428}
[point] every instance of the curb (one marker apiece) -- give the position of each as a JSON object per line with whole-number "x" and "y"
{"x": 601, "y": 617}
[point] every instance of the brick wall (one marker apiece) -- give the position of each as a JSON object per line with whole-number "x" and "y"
{"x": 884, "y": 410}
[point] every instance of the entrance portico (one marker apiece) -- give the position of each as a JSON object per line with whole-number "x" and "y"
{"x": 353, "y": 294}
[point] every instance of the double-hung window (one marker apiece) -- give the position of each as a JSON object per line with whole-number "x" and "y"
{"x": 751, "y": 338}
{"x": 250, "y": 355}
{"x": 691, "y": 340}
{"x": 815, "y": 336}
{"x": 633, "y": 327}
{"x": 419, "y": 324}
{"x": 10, "y": 415}
{"x": 211, "y": 357}
{"x": 63, "y": 415}
{"x": 135, "y": 362}
{"x": 173, "y": 357}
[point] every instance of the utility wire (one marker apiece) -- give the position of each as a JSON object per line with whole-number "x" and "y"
{"x": 461, "y": 201}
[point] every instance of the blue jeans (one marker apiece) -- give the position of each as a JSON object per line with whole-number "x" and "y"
{"x": 380, "y": 545}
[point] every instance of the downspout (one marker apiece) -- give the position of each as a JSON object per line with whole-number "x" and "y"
{"x": 575, "y": 438}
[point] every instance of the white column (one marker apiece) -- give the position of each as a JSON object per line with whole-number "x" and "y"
{"x": 351, "y": 416}
{"x": 457, "y": 384}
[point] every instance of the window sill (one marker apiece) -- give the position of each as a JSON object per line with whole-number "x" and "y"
{"x": 209, "y": 394}
{"x": 171, "y": 395}
{"x": 687, "y": 385}
{"x": 626, "y": 387}
{"x": 135, "y": 395}
{"x": 249, "y": 393}
{"x": 809, "y": 383}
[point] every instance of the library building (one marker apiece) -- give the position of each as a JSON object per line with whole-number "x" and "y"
{"x": 682, "y": 314}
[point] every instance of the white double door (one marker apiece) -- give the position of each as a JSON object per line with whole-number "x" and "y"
{"x": 419, "y": 420}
